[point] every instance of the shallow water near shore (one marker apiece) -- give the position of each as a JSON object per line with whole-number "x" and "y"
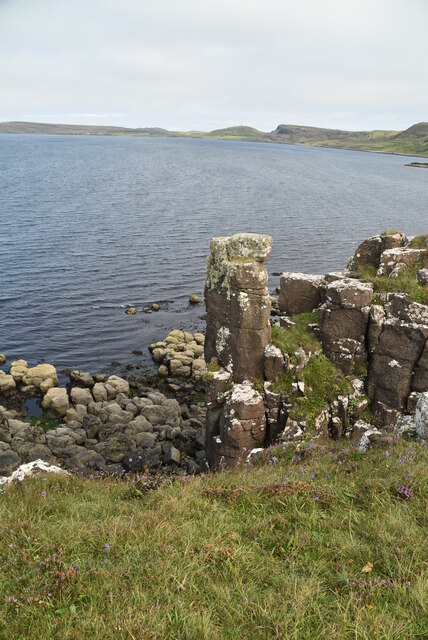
{"x": 90, "y": 225}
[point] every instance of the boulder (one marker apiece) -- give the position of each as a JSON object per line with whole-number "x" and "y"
{"x": 18, "y": 369}
{"x": 99, "y": 392}
{"x": 368, "y": 253}
{"x": 56, "y": 399}
{"x": 42, "y": 377}
{"x": 394, "y": 262}
{"x": 300, "y": 292}
{"x": 9, "y": 461}
{"x": 81, "y": 396}
{"x": 274, "y": 364}
{"x": 81, "y": 378}
{"x": 7, "y": 382}
{"x": 422, "y": 276}
{"x": 115, "y": 385}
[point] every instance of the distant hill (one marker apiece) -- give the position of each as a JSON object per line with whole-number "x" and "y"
{"x": 77, "y": 129}
{"x": 413, "y": 141}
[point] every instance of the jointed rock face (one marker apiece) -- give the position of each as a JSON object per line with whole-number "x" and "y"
{"x": 360, "y": 363}
{"x": 238, "y": 332}
{"x": 238, "y": 304}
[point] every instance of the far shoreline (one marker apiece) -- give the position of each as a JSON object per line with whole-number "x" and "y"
{"x": 214, "y": 139}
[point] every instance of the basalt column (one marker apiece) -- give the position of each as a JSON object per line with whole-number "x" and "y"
{"x": 238, "y": 304}
{"x": 238, "y": 332}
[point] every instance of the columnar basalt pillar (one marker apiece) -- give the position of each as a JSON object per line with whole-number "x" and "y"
{"x": 238, "y": 332}
{"x": 238, "y": 304}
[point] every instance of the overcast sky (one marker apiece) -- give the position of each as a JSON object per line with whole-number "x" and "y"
{"x": 203, "y": 64}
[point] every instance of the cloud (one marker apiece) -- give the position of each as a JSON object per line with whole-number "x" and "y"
{"x": 193, "y": 64}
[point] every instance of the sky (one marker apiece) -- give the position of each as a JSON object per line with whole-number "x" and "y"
{"x": 205, "y": 64}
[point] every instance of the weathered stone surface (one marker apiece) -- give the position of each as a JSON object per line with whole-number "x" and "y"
{"x": 82, "y": 378}
{"x": 420, "y": 375}
{"x": 343, "y": 336}
{"x": 368, "y": 253}
{"x": 238, "y": 304}
{"x": 7, "y": 382}
{"x": 421, "y": 416}
{"x": 18, "y": 369}
{"x": 376, "y": 319}
{"x": 241, "y": 427}
{"x": 43, "y": 377}
{"x": 394, "y": 262}
{"x": 405, "y": 427}
{"x": 274, "y": 362}
{"x": 56, "y": 399}
{"x": 348, "y": 294}
{"x": 81, "y": 396}
{"x": 343, "y": 323}
{"x": 114, "y": 449}
{"x": 115, "y": 385}
{"x": 422, "y": 276}
{"x": 300, "y": 292}
{"x": 398, "y": 363}
{"x": 9, "y": 461}
{"x": 76, "y": 457}
{"x": 99, "y": 392}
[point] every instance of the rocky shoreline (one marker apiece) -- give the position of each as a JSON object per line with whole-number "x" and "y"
{"x": 340, "y": 355}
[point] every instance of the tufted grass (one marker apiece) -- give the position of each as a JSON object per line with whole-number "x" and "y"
{"x": 294, "y": 546}
{"x": 290, "y": 339}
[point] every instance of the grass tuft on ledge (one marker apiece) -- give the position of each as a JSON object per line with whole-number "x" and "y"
{"x": 325, "y": 544}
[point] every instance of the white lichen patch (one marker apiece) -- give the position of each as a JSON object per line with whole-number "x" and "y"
{"x": 243, "y": 300}
{"x": 394, "y": 363}
{"x": 273, "y": 352}
{"x": 245, "y": 393}
{"x": 221, "y": 339}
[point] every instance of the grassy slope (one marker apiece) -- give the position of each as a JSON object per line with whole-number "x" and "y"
{"x": 413, "y": 141}
{"x": 276, "y": 550}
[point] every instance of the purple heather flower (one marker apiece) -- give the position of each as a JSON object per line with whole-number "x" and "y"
{"x": 130, "y": 459}
{"x": 107, "y": 546}
{"x": 387, "y": 453}
{"x": 43, "y": 493}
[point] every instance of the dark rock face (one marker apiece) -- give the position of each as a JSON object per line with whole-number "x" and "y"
{"x": 343, "y": 323}
{"x": 238, "y": 304}
{"x": 240, "y": 427}
{"x": 300, "y": 292}
{"x": 238, "y": 334}
{"x": 398, "y": 363}
{"x": 369, "y": 252}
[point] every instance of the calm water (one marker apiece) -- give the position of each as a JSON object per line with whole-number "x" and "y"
{"x": 89, "y": 225}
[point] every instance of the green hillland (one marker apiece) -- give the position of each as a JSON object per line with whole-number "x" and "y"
{"x": 413, "y": 141}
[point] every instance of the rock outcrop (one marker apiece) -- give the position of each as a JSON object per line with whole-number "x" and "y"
{"x": 237, "y": 340}
{"x": 300, "y": 292}
{"x": 238, "y": 304}
{"x": 343, "y": 323}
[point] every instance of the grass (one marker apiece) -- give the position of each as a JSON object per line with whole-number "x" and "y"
{"x": 419, "y": 242}
{"x": 290, "y": 339}
{"x": 323, "y": 380}
{"x": 323, "y": 384}
{"x": 329, "y": 546}
{"x": 404, "y": 283}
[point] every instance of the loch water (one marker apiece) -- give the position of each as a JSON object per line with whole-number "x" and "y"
{"x": 90, "y": 225}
